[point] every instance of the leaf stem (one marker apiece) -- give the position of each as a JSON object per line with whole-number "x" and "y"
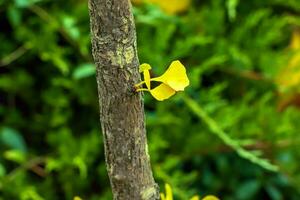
{"x": 139, "y": 84}
{"x": 143, "y": 89}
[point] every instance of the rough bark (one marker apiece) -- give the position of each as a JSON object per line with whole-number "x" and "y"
{"x": 121, "y": 109}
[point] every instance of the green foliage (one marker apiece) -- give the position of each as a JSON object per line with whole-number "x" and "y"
{"x": 219, "y": 137}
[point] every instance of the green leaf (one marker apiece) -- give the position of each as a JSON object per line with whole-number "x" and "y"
{"x": 247, "y": 190}
{"x": 25, "y": 3}
{"x": 274, "y": 192}
{"x": 14, "y": 16}
{"x": 234, "y": 144}
{"x": 13, "y": 139}
{"x": 53, "y": 164}
{"x": 84, "y": 70}
{"x": 69, "y": 24}
{"x": 79, "y": 162}
{"x": 231, "y": 7}
{"x": 2, "y": 170}
{"x": 30, "y": 193}
{"x": 15, "y": 156}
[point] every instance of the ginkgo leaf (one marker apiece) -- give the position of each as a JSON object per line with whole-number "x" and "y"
{"x": 289, "y": 76}
{"x": 147, "y": 79}
{"x": 169, "y": 6}
{"x": 162, "y": 92}
{"x": 175, "y": 76}
{"x": 172, "y": 6}
{"x": 195, "y": 198}
{"x": 169, "y": 195}
{"x": 210, "y": 197}
{"x": 145, "y": 69}
{"x": 173, "y": 80}
{"x": 295, "y": 41}
{"x": 162, "y": 196}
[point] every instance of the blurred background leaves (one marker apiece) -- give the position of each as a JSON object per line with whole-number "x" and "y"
{"x": 242, "y": 58}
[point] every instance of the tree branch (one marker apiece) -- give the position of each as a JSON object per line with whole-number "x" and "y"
{"x": 121, "y": 110}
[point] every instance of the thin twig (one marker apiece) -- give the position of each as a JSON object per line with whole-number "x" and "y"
{"x": 13, "y": 56}
{"x": 32, "y": 165}
{"x": 44, "y": 15}
{"x": 258, "y": 146}
{"x": 248, "y": 74}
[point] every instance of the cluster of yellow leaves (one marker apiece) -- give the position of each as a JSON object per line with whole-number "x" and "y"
{"x": 169, "y": 6}
{"x": 289, "y": 77}
{"x": 172, "y": 81}
{"x": 169, "y": 195}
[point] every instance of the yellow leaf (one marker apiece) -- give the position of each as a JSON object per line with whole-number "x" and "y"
{"x": 144, "y": 67}
{"x": 210, "y": 197}
{"x": 147, "y": 79}
{"x": 162, "y": 196}
{"x": 173, "y": 80}
{"x": 289, "y": 76}
{"x": 175, "y": 76}
{"x": 195, "y": 198}
{"x": 171, "y": 6}
{"x": 162, "y": 92}
{"x": 169, "y": 195}
{"x": 295, "y": 41}
{"x": 77, "y": 198}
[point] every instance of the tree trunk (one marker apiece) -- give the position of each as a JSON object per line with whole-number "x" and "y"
{"x": 121, "y": 109}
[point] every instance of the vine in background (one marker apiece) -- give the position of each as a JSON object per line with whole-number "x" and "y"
{"x": 215, "y": 129}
